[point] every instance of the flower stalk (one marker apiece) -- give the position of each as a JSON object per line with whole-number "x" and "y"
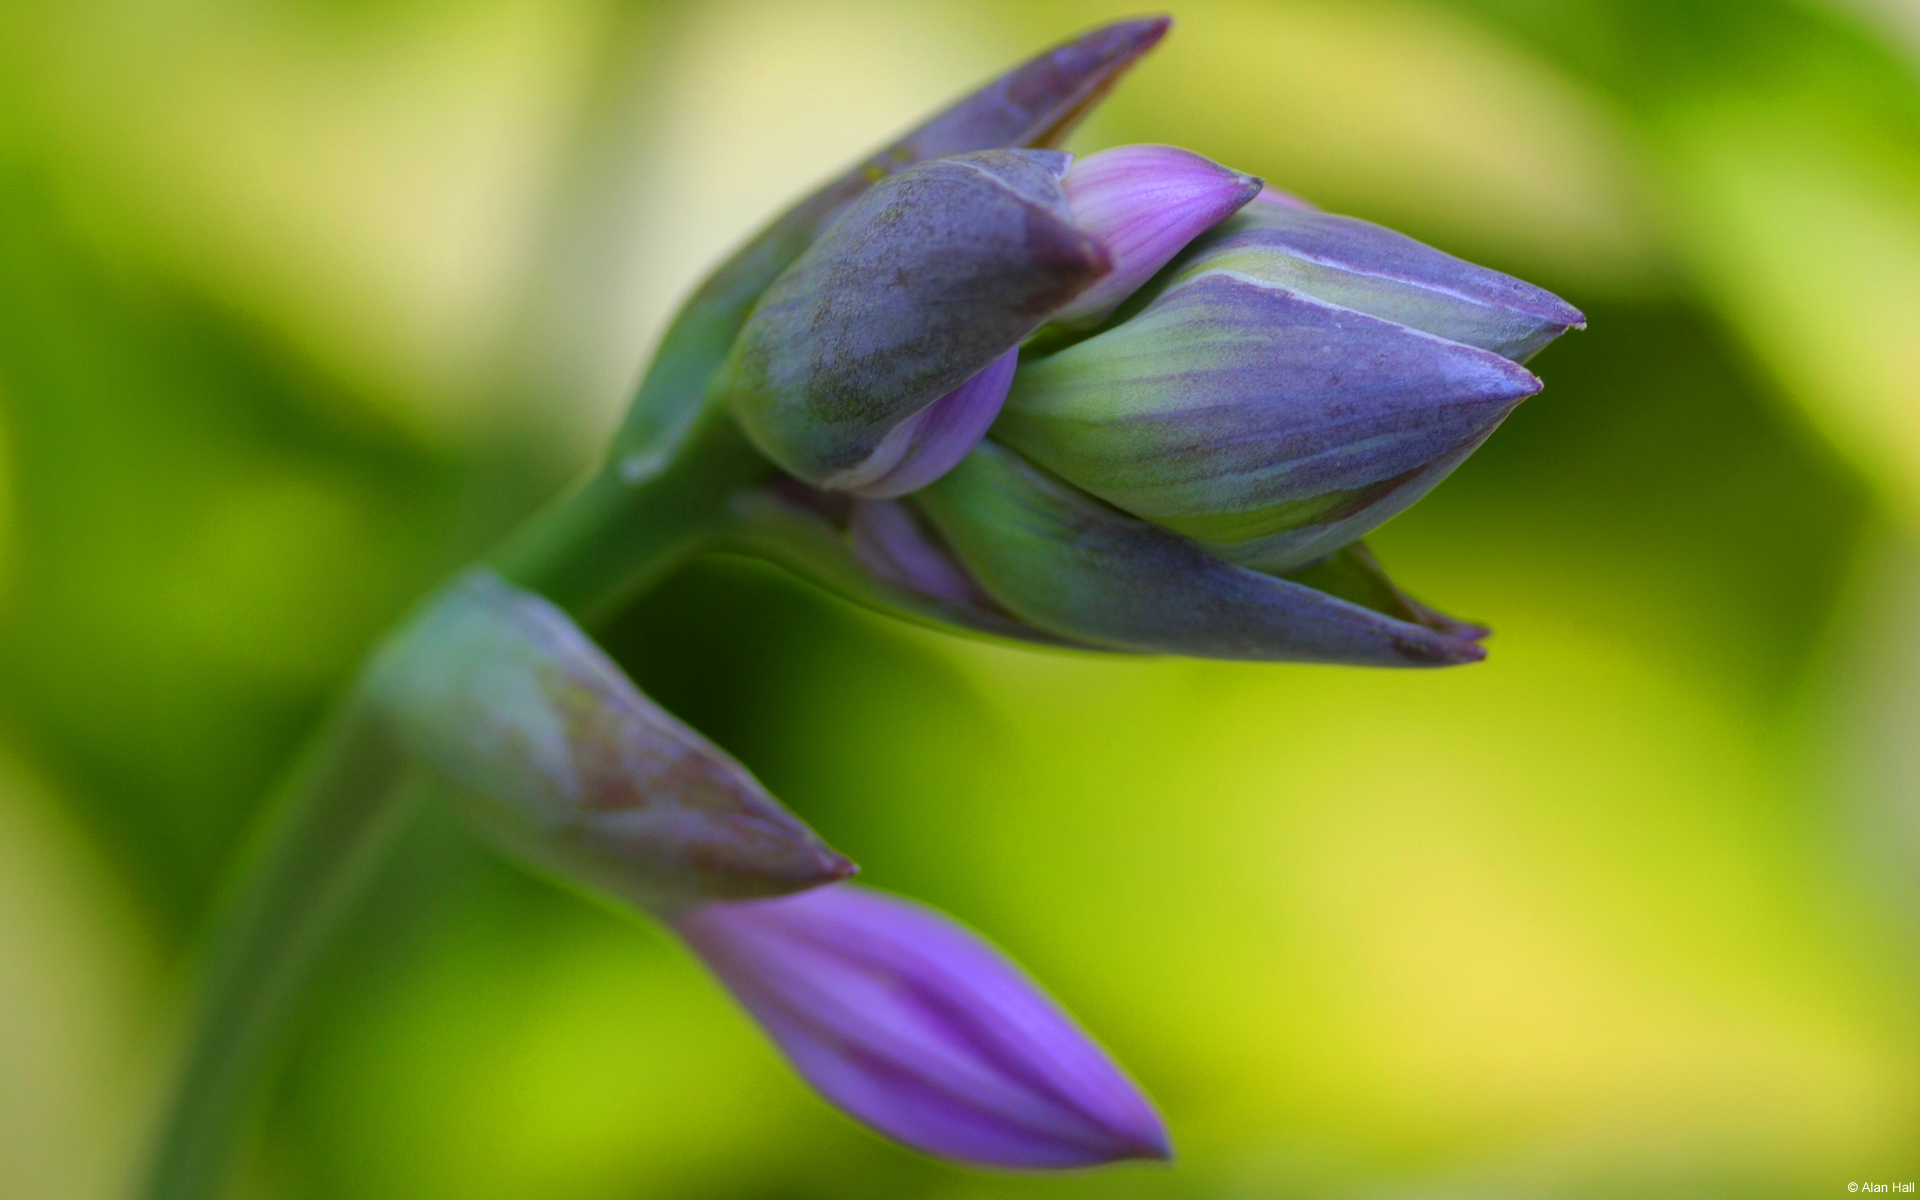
{"x": 664, "y": 492}
{"x": 1138, "y": 403}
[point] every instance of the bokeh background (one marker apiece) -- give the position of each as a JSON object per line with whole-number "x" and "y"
{"x": 303, "y": 302}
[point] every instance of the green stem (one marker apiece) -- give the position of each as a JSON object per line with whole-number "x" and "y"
{"x": 630, "y": 526}
{"x": 344, "y": 805}
{"x": 352, "y": 791}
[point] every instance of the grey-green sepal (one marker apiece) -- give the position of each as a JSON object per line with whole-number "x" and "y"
{"x": 1371, "y": 269}
{"x": 1258, "y": 419}
{"x": 1035, "y": 104}
{"x": 562, "y": 761}
{"x": 929, "y": 278}
{"x": 879, "y": 554}
{"x": 1065, "y": 562}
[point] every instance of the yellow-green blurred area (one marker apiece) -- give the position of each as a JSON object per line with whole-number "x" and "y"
{"x": 303, "y": 302}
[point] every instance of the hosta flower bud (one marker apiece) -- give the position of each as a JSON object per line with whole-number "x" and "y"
{"x": 1072, "y": 566}
{"x": 920, "y": 1029}
{"x": 569, "y": 767}
{"x": 928, "y": 279}
{"x": 1371, "y": 269}
{"x": 1035, "y": 104}
{"x": 1292, "y": 386}
{"x": 1144, "y": 204}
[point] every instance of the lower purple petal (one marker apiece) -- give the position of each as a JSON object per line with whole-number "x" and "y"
{"x": 935, "y": 439}
{"x": 918, "y": 1028}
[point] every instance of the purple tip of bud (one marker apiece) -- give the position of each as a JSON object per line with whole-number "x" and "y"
{"x": 934, "y": 440}
{"x": 1145, "y": 203}
{"x": 1273, "y": 195}
{"x": 920, "y": 1029}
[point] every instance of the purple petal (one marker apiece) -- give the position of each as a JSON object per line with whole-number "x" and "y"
{"x": 929, "y": 444}
{"x": 920, "y": 1029}
{"x": 891, "y": 545}
{"x": 1145, "y": 203}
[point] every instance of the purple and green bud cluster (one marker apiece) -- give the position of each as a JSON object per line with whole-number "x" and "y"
{"x": 1132, "y": 402}
{"x": 909, "y": 1022}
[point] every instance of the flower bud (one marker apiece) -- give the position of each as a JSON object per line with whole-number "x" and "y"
{"x": 929, "y": 278}
{"x": 1144, "y": 204}
{"x": 917, "y": 1027}
{"x": 1068, "y": 564}
{"x": 1036, "y": 104}
{"x": 1371, "y": 269}
{"x": 567, "y": 766}
{"x": 1266, "y": 423}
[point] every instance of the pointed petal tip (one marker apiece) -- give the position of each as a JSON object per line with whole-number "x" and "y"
{"x": 836, "y": 867}
{"x": 1151, "y": 1145}
{"x": 1137, "y": 35}
{"x": 1459, "y": 653}
{"x": 1518, "y": 383}
{"x": 1145, "y": 203}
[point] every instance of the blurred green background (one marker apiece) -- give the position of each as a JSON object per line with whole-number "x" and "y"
{"x": 303, "y": 302}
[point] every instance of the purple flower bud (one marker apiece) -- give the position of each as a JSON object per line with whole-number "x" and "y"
{"x": 927, "y": 445}
{"x": 1145, "y": 203}
{"x": 1036, "y": 104}
{"x": 919, "y": 1028}
{"x": 928, "y": 280}
{"x": 1256, "y": 418}
{"x": 1068, "y": 564}
{"x": 568, "y": 767}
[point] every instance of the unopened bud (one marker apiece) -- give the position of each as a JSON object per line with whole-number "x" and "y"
{"x": 567, "y": 766}
{"x": 929, "y": 278}
{"x": 1269, "y": 424}
{"x": 1145, "y": 203}
{"x": 920, "y": 1029}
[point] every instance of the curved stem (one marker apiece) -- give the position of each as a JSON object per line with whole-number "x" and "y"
{"x": 353, "y": 789}
{"x": 627, "y": 528}
{"x": 338, "y": 813}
